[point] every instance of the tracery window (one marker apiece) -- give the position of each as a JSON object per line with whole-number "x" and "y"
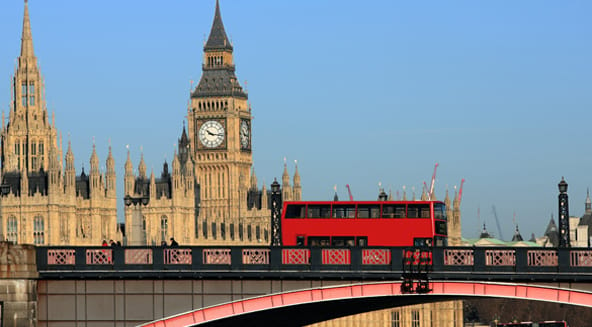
{"x": 12, "y": 229}
{"x": 164, "y": 227}
{"x": 39, "y": 230}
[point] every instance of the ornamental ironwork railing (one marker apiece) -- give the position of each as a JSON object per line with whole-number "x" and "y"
{"x": 376, "y": 262}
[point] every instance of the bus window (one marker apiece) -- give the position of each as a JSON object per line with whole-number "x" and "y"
{"x": 439, "y": 211}
{"x": 418, "y": 211}
{"x": 368, "y": 211}
{"x": 294, "y": 211}
{"x": 393, "y": 211}
{"x": 342, "y": 241}
{"x": 412, "y": 211}
{"x": 319, "y": 211}
{"x": 441, "y": 228}
{"x": 344, "y": 211}
{"x": 318, "y": 241}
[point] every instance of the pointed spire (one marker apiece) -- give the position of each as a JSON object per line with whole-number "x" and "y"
{"x": 285, "y": 175}
{"x": 517, "y": 237}
{"x": 142, "y": 167}
{"x": 253, "y": 179}
{"x": 588, "y": 203}
{"x": 447, "y": 199}
{"x": 456, "y": 202}
{"x": 264, "y": 199}
{"x": 129, "y": 168}
{"x": 218, "y": 40}
{"x": 184, "y": 139}
{"x": 189, "y": 168}
{"x": 552, "y": 233}
{"x": 94, "y": 160}
{"x": 484, "y": 233}
{"x": 296, "y": 174}
{"x": 27, "y": 37}
{"x": 110, "y": 163}
{"x": 69, "y": 157}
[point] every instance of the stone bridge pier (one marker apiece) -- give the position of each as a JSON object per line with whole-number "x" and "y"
{"x": 18, "y": 285}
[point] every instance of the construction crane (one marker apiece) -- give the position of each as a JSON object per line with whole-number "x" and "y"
{"x": 431, "y": 190}
{"x": 351, "y": 198}
{"x": 462, "y": 182}
{"x": 499, "y": 229}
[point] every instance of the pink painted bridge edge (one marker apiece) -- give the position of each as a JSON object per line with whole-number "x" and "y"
{"x": 503, "y": 290}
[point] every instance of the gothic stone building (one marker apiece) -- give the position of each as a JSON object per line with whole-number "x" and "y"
{"x": 41, "y": 202}
{"x": 211, "y": 196}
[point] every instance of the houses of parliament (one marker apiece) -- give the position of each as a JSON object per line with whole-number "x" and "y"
{"x": 207, "y": 195}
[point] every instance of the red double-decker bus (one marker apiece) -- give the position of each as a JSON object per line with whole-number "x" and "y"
{"x": 364, "y": 223}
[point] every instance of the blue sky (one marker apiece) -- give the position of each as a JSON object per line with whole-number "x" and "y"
{"x": 496, "y": 92}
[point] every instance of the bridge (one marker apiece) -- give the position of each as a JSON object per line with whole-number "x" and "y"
{"x": 215, "y": 285}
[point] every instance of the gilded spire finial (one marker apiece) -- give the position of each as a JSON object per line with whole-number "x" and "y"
{"x": 27, "y": 38}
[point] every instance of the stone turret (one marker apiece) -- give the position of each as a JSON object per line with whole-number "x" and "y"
{"x": 110, "y": 176}
{"x": 142, "y": 167}
{"x": 176, "y": 175}
{"x": 286, "y": 188}
{"x": 70, "y": 173}
{"x": 96, "y": 185}
{"x": 253, "y": 179}
{"x": 129, "y": 176}
{"x": 297, "y": 186}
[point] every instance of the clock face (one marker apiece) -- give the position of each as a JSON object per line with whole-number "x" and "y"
{"x": 245, "y": 134}
{"x": 211, "y": 134}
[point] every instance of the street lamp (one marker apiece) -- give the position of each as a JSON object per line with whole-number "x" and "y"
{"x": 276, "y": 212}
{"x": 136, "y": 231}
{"x": 563, "y": 215}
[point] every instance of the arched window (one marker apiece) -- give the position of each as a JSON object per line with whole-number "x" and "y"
{"x": 12, "y": 229}
{"x": 39, "y": 230}
{"x": 164, "y": 227}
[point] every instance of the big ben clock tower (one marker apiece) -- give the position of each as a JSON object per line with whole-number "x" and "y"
{"x": 219, "y": 121}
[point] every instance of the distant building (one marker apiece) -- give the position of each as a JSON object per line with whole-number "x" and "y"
{"x": 583, "y": 235}
{"x": 580, "y": 229}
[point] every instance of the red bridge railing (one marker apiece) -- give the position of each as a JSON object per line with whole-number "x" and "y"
{"x": 453, "y": 262}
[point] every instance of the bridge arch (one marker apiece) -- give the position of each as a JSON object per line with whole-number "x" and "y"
{"x": 297, "y": 308}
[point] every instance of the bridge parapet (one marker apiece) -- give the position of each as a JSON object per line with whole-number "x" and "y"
{"x": 455, "y": 263}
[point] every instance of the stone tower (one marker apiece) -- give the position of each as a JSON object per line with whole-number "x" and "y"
{"x": 37, "y": 193}
{"x": 219, "y": 121}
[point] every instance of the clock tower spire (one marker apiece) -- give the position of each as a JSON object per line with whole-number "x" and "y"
{"x": 219, "y": 128}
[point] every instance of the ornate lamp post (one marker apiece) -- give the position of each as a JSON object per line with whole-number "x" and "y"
{"x": 137, "y": 234}
{"x": 563, "y": 215}
{"x": 276, "y": 214}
